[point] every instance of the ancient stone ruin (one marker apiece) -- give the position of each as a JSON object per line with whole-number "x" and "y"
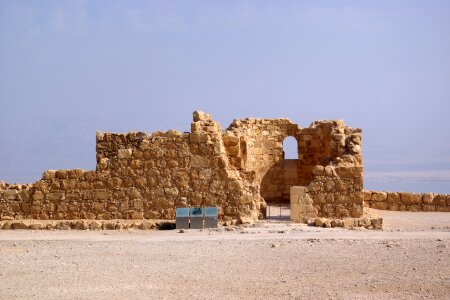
{"x": 239, "y": 170}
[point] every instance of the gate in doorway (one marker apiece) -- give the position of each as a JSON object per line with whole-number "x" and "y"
{"x": 278, "y": 211}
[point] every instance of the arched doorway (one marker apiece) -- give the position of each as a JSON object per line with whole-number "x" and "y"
{"x": 276, "y": 183}
{"x": 290, "y": 166}
{"x": 290, "y": 148}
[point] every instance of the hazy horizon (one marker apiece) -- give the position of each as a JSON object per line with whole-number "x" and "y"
{"x": 70, "y": 68}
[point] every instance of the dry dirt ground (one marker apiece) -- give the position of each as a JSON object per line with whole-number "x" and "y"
{"x": 410, "y": 259}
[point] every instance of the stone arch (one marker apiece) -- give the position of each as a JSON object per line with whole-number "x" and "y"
{"x": 282, "y": 174}
{"x": 291, "y": 166}
{"x": 290, "y": 147}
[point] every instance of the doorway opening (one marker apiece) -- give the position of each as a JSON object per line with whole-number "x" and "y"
{"x": 290, "y": 166}
{"x": 290, "y": 148}
{"x": 275, "y": 187}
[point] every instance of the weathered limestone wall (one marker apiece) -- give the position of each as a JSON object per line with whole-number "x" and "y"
{"x": 139, "y": 176}
{"x": 333, "y": 159}
{"x": 329, "y": 164}
{"x": 146, "y": 176}
{"x": 403, "y": 201}
{"x": 260, "y": 151}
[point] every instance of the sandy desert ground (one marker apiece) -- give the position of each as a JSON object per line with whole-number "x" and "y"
{"x": 410, "y": 259}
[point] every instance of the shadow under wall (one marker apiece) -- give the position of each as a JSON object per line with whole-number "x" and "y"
{"x": 276, "y": 183}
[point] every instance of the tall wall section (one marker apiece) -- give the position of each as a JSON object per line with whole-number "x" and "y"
{"x": 329, "y": 162}
{"x": 140, "y": 175}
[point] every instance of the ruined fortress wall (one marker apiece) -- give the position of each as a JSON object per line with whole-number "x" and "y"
{"x": 403, "y": 201}
{"x": 335, "y": 160}
{"x": 329, "y": 163}
{"x": 140, "y": 175}
{"x": 261, "y": 152}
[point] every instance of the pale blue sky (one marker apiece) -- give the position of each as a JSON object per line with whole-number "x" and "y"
{"x": 69, "y": 68}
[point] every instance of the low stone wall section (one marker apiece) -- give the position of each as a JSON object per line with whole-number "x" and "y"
{"x": 403, "y": 201}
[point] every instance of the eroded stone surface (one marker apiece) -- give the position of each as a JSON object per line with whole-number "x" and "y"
{"x": 146, "y": 176}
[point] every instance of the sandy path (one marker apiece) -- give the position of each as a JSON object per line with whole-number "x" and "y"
{"x": 271, "y": 260}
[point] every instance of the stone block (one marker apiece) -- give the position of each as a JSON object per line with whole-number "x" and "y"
{"x": 379, "y": 205}
{"x": 428, "y": 208}
{"x": 416, "y": 198}
{"x": 134, "y": 194}
{"x": 38, "y": 196}
{"x": 10, "y": 194}
{"x": 245, "y": 199}
{"x": 377, "y": 223}
{"x": 318, "y": 170}
{"x": 330, "y": 171}
{"x": 379, "y": 196}
{"x": 6, "y": 226}
{"x": 24, "y": 195}
{"x": 356, "y": 210}
{"x": 49, "y": 174}
{"x": 367, "y": 195}
{"x": 19, "y": 225}
{"x": 73, "y": 196}
{"x": 297, "y": 190}
{"x": 109, "y": 225}
{"x": 199, "y": 137}
{"x": 76, "y": 173}
{"x": 233, "y": 150}
{"x": 35, "y": 209}
{"x": 393, "y": 206}
{"x": 140, "y": 182}
{"x": 443, "y": 208}
{"x": 101, "y": 195}
{"x": 201, "y": 116}
{"x": 394, "y": 198}
{"x": 320, "y": 198}
{"x": 410, "y": 198}
{"x": 230, "y": 140}
{"x": 80, "y": 225}
{"x": 69, "y": 184}
{"x": 348, "y": 223}
{"x": 99, "y": 206}
{"x": 35, "y": 226}
{"x": 428, "y": 198}
{"x": 356, "y": 197}
{"x": 342, "y": 199}
{"x": 124, "y": 153}
{"x": 415, "y": 208}
{"x": 319, "y": 222}
{"x": 61, "y": 174}
{"x": 342, "y": 212}
{"x": 440, "y": 200}
{"x": 137, "y": 215}
{"x": 199, "y": 162}
{"x": 95, "y": 225}
{"x": 54, "y": 196}
{"x": 349, "y": 171}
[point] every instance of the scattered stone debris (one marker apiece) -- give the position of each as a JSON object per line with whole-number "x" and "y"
{"x": 86, "y": 225}
{"x": 368, "y": 222}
